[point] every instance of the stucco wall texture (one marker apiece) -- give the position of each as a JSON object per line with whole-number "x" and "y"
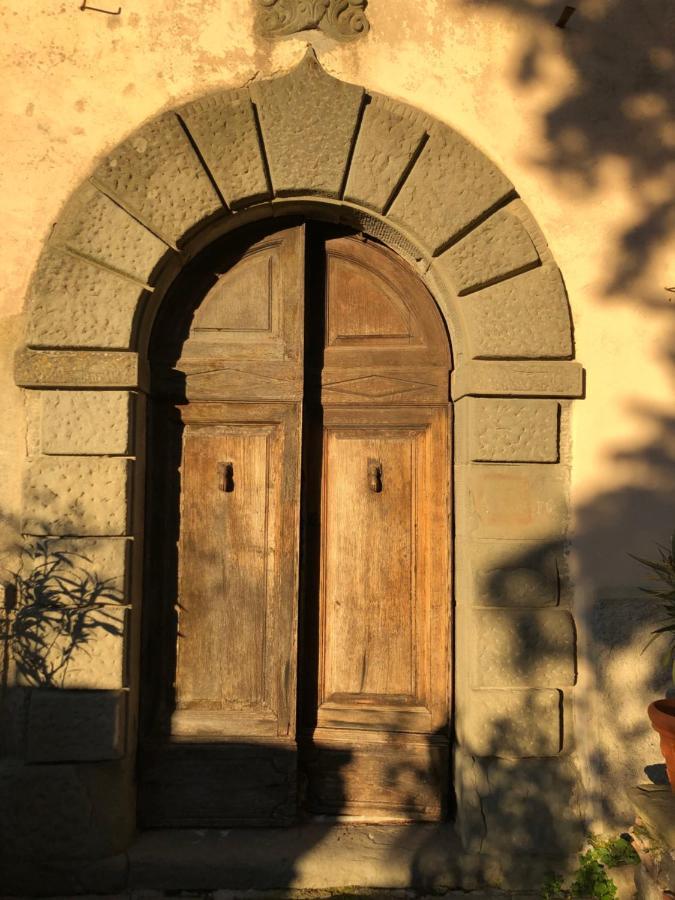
{"x": 581, "y": 120}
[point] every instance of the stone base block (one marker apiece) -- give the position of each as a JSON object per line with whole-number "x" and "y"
{"x": 514, "y": 807}
{"x": 61, "y": 813}
{"x": 76, "y": 726}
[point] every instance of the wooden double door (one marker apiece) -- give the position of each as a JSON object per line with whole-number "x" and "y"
{"x": 296, "y": 630}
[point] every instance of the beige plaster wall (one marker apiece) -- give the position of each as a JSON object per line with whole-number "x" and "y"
{"x": 581, "y": 120}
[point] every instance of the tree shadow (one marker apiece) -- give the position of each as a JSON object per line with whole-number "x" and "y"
{"x": 54, "y": 606}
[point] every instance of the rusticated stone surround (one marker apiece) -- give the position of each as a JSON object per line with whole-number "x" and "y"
{"x": 306, "y": 142}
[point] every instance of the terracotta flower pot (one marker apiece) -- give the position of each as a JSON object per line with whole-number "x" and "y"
{"x": 662, "y": 716}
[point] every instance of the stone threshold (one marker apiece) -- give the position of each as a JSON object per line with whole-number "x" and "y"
{"x": 310, "y": 860}
{"x": 324, "y": 857}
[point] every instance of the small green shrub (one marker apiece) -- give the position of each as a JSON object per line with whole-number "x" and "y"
{"x": 614, "y": 851}
{"x": 591, "y": 878}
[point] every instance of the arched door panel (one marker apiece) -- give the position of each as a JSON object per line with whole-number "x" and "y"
{"x": 374, "y": 726}
{"x": 347, "y": 443}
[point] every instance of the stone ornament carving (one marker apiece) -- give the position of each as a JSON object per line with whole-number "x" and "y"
{"x": 343, "y": 20}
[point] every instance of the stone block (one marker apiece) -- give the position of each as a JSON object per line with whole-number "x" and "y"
{"x": 510, "y": 573}
{"x": 76, "y": 496}
{"x": 512, "y": 501}
{"x": 224, "y": 128}
{"x": 63, "y": 812}
{"x": 497, "y": 249}
{"x": 451, "y": 186}
{"x": 72, "y": 726}
{"x": 527, "y": 378}
{"x": 528, "y": 806}
{"x": 308, "y": 120}
{"x": 523, "y": 648}
{"x": 74, "y": 303}
{"x": 388, "y": 139}
{"x": 94, "y": 226}
{"x": 157, "y": 175}
{"x": 77, "y": 368}
{"x": 38, "y": 368}
{"x": 84, "y": 650}
{"x": 507, "y": 430}
{"x": 511, "y": 724}
{"x": 91, "y": 422}
{"x": 526, "y": 316}
{"x": 107, "y": 560}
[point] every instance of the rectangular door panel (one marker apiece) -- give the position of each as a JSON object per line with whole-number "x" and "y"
{"x": 379, "y": 780}
{"x": 369, "y": 601}
{"x": 227, "y": 551}
{"x": 228, "y": 755}
{"x": 218, "y": 785}
{"x": 378, "y": 746}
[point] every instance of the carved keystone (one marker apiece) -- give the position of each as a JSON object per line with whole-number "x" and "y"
{"x": 308, "y": 121}
{"x": 343, "y": 20}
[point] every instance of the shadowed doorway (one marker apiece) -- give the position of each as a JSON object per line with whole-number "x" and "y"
{"x": 297, "y": 592}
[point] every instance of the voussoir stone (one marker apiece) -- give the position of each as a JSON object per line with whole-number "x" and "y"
{"x": 526, "y": 316}
{"x": 497, "y": 429}
{"x": 511, "y": 723}
{"x": 308, "y": 120}
{"x": 92, "y": 225}
{"x": 389, "y": 136}
{"x": 74, "y": 303}
{"x": 157, "y": 175}
{"x": 72, "y": 726}
{"x": 76, "y": 496}
{"x": 524, "y": 378}
{"x": 496, "y": 249}
{"x": 77, "y": 368}
{"x": 512, "y": 501}
{"x": 450, "y": 187}
{"x": 524, "y": 648}
{"x": 510, "y": 573}
{"x": 223, "y": 127}
{"x": 88, "y": 422}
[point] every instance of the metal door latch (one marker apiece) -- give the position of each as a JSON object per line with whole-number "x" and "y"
{"x": 375, "y": 475}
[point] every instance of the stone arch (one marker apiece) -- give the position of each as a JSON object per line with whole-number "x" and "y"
{"x": 307, "y": 142}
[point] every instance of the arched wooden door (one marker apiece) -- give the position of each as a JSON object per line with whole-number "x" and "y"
{"x": 296, "y": 641}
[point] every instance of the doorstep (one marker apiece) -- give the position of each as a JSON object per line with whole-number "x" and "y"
{"x": 312, "y": 855}
{"x": 326, "y": 856}
{"x": 334, "y": 858}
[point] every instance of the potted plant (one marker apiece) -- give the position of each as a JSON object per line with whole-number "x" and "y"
{"x": 662, "y": 712}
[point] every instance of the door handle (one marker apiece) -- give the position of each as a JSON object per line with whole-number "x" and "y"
{"x": 226, "y": 477}
{"x": 375, "y": 475}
